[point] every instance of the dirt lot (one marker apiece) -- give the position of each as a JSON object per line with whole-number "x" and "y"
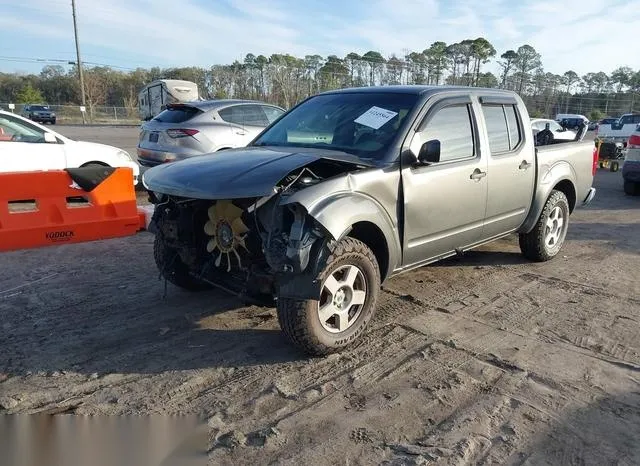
{"x": 477, "y": 360}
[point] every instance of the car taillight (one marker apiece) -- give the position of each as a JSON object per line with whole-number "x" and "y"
{"x": 181, "y": 133}
{"x": 634, "y": 142}
{"x": 594, "y": 168}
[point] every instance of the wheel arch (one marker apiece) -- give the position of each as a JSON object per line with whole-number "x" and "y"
{"x": 371, "y": 235}
{"x": 93, "y": 163}
{"x": 569, "y": 190}
{"x": 560, "y": 177}
{"x": 361, "y": 217}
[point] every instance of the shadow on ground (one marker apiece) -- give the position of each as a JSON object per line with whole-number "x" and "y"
{"x": 604, "y": 432}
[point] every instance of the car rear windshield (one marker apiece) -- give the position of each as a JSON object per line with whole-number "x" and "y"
{"x": 363, "y": 123}
{"x": 177, "y": 114}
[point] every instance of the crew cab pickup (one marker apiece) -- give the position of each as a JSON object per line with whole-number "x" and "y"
{"x": 354, "y": 186}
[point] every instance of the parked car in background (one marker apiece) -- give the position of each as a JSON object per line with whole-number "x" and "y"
{"x": 186, "y": 130}
{"x": 594, "y": 125}
{"x": 155, "y": 96}
{"x": 573, "y": 123}
{"x": 631, "y": 166}
{"x": 28, "y": 146}
{"x": 354, "y": 186}
{"x": 619, "y": 130}
{"x": 571, "y": 116}
{"x": 39, "y": 113}
{"x": 559, "y": 133}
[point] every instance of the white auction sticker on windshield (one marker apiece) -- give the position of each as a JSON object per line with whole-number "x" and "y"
{"x": 375, "y": 117}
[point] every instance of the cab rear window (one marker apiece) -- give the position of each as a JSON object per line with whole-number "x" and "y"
{"x": 177, "y": 114}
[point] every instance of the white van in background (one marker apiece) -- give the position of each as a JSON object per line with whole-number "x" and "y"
{"x": 154, "y": 97}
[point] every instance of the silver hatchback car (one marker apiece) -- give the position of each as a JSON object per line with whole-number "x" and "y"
{"x": 188, "y": 129}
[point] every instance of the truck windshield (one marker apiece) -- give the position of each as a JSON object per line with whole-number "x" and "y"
{"x": 363, "y": 124}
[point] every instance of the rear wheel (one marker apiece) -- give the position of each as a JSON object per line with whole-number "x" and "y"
{"x": 547, "y": 237}
{"x": 614, "y": 167}
{"x": 350, "y": 284}
{"x": 173, "y": 269}
{"x": 631, "y": 188}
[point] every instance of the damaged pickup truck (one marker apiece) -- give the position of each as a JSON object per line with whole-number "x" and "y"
{"x": 354, "y": 186}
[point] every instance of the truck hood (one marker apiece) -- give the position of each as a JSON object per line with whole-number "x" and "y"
{"x": 237, "y": 173}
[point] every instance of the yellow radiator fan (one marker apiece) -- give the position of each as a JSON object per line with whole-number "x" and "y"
{"x": 227, "y": 231}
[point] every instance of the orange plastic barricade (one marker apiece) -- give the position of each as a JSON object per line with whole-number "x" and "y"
{"x": 49, "y": 208}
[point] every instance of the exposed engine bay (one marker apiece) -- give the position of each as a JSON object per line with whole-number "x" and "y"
{"x": 246, "y": 245}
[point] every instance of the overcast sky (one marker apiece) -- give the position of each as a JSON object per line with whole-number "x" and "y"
{"x": 582, "y": 35}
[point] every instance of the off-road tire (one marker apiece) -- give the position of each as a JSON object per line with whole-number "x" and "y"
{"x": 173, "y": 269}
{"x": 532, "y": 244}
{"x": 631, "y": 188}
{"x": 299, "y": 319}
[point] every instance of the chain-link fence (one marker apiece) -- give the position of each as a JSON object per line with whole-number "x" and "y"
{"x": 544, "y": 105}
{"x": 71, "y": 114}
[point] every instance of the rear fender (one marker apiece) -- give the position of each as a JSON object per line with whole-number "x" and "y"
{"x": 548, "y": 178}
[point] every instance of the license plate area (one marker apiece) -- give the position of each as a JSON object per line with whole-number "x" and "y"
{"x": 153, "y": 137}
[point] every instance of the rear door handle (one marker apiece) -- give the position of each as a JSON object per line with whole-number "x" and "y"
{"x": 524, "y": 165}
{"x": 477, "y": 174}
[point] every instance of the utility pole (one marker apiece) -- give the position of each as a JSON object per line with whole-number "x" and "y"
{"x": 75, "y": 31}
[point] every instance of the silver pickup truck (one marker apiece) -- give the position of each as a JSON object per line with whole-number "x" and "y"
{"x": 354, "y": 186}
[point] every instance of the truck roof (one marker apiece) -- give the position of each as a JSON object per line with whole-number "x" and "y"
{"x": 417, "y": 89}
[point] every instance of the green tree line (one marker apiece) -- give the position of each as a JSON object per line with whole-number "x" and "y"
{"x": 284, "y": 79}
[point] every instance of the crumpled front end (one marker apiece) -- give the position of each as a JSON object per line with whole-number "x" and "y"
{"x": 247, "y": 245}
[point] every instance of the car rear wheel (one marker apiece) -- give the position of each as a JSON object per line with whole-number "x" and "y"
{"x": 547, "y": 237}
{"x": 173, "y": 269}
{"x": 350, "y": 285}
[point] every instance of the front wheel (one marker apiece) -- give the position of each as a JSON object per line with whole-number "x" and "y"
{"x": 547, "y": 237}
{"x": 614, "y": 167}
{"x": 350, "y": 285}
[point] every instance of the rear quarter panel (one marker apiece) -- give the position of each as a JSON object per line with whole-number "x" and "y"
{"x": 569, "y": 162}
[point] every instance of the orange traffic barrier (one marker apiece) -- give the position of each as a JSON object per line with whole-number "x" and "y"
{"x": 49, "y": 208}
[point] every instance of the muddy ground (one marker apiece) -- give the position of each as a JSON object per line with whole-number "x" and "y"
{"x": 476, "y": 360}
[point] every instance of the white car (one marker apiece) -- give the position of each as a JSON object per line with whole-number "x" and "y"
{"x": 29, "y": 146}
{"x": 559, "y": 134}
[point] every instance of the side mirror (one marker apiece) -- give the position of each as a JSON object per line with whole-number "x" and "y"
{"x": 429, "y": 152}
{"x": 48, "y": 137}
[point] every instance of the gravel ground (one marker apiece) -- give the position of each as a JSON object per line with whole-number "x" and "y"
{"x": 476, "y": 360}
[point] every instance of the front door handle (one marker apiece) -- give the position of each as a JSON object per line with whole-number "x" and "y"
{"x": 477, "y": 174}
{"x": 241, "y": 133}
{"x": 524, "y": 165}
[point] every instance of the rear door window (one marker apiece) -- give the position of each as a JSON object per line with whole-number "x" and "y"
{"x": 249, "y": 115}
{"x": 503, "y": 129}
{"x": 177, "y": 114}
{"x": 515, "y": 136}
{"x": 497, "y": 130}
